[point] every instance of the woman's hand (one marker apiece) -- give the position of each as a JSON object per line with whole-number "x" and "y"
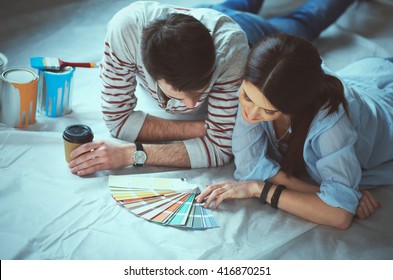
{"x": 229, "y": 190}
{"x": 94, "y": 156}
{"x": 367, "y": 205}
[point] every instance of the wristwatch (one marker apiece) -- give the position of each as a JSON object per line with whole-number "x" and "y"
{"x": 139, "y": 155}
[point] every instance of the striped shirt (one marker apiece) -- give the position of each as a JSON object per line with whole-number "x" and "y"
{"x": 122, "y": 64}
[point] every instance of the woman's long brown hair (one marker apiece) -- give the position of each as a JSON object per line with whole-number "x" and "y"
{"x": 288, "y": 71}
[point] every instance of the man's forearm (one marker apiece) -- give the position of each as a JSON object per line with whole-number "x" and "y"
{"x": 155, "y": 129}
{"x": 174, "y": 155}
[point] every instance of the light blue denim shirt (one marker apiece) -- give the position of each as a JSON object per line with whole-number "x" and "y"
{"x": 341, "y": 154}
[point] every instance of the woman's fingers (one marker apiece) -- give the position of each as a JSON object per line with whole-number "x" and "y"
{"x": 225, "y": 195}
{"x": 367, "y": 205}
{"x": 219, "y": 192}
{"x": 360, "y": 213}
{"x": 371, "y": 199}
{"x": 206, "y": 192}
{"x": 215, "y": 193}
{"x": 226, "y": 190}
{"x": 366, "y": 210}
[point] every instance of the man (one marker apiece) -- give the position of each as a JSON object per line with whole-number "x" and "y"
{"x": 185, "y": 59}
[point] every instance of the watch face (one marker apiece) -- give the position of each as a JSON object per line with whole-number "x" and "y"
{"x": 139, "y": 157}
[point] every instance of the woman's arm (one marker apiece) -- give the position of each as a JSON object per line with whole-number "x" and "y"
{"x": 304, "y": 204}
{"x": 310, "y": 207}
{"x": 293, "y": 183}
{"x": 367, "y": 203}
{"x": 334, "y": 202}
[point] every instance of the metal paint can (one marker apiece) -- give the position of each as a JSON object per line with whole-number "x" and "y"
{"x": 3, "y": 62}
{"x": 55, "y": 92}
{"x": 18, "y": 95}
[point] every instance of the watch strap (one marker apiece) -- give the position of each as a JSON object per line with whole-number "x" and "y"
{"x": 139, "y": 146}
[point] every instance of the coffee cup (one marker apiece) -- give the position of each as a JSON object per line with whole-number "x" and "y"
{"x": 74, "y": 136}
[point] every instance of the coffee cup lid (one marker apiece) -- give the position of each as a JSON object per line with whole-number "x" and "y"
{"x": 78, "y": 133}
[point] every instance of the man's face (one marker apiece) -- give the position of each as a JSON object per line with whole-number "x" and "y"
{"x": 189, "y": 99}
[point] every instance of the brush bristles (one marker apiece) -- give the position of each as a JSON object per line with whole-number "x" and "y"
{"x": 45, "y": 63}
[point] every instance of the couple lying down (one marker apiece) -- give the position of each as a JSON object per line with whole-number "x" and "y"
{"x": 277, "y": 109}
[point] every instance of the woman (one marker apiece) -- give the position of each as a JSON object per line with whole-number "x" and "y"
{"x": 297, "y": 120}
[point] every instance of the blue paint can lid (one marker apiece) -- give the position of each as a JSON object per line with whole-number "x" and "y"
{"x": 78, "y": 133}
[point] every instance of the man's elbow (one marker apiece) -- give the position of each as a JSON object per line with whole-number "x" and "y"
{"x": 225, "y": 159}
{"x": 112, "y": 130}
{"x": 113, "y": 133}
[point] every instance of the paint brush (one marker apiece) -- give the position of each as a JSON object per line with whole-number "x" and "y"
{"x": 55, "y": 64}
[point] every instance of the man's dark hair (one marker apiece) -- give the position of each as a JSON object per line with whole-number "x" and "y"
{"x": 180, "y": 50}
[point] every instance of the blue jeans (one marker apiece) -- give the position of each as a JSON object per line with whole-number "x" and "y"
{"x": 306, "y": 22}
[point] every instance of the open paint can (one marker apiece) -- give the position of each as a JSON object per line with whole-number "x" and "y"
{"x": 55, "y": 91}
{"x": 3, "y": 62}
{"x": 18, "y": 97}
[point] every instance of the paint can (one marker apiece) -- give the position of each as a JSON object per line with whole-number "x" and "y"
{"x": 55, "y": 92}
{"x": 3, "y": 66}
{"x": 3, "y": 62}
{"x": 18, "y": 95}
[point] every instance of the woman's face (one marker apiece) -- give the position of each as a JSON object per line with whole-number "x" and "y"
{"x": 254, "y": 105}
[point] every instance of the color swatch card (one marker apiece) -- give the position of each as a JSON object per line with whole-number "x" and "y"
{"x": 167, "y": 201}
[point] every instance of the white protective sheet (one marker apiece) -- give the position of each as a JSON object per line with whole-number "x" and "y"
{"x": 48, "y": 213}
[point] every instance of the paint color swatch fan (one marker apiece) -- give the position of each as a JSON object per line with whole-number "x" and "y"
{"x": 165, "y": 201}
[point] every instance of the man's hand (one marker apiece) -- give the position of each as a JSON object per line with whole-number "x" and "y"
{"x": 94, "y": 156}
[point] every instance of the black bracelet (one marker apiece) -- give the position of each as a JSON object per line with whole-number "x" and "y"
{"x": 276, "y": 195}
{"x": 265, "y": 191}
